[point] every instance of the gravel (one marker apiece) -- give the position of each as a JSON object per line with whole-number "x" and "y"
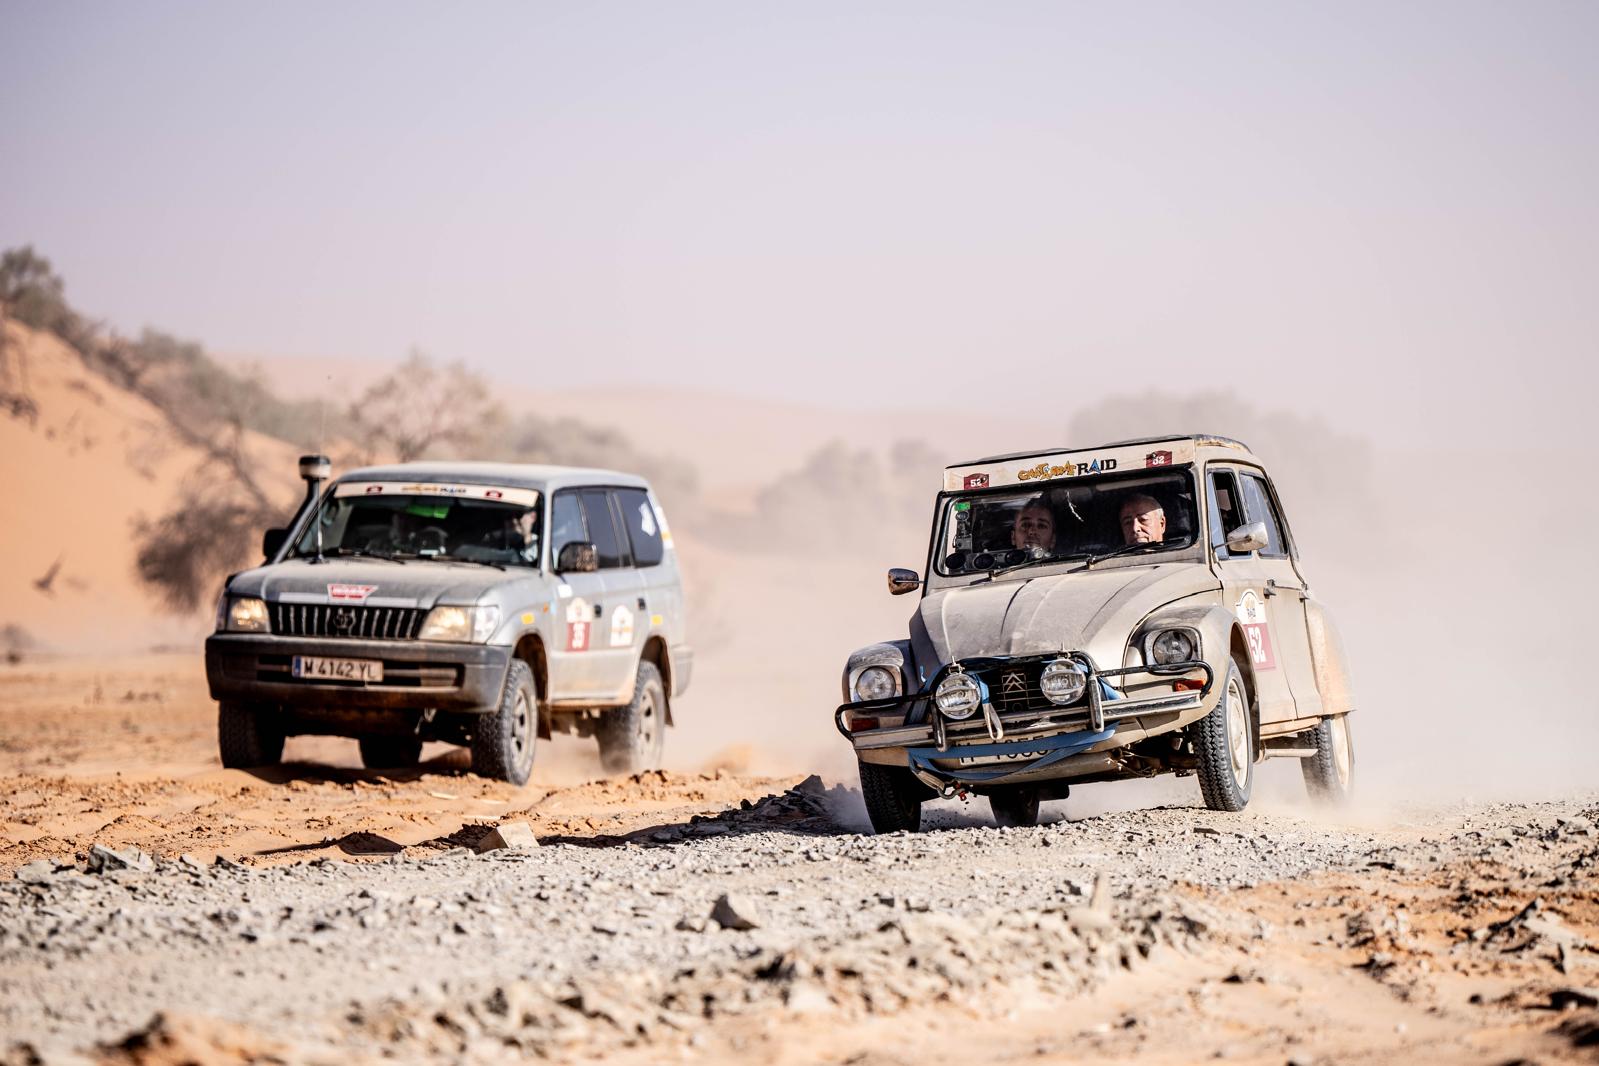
{"x": 478, "y": 957}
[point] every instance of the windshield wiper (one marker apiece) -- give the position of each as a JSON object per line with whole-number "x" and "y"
{"x": 999, "y": 570}
{"x": 1126, "y": 549}
{"x": 356, "y": 553}
{"x": 440, "y": 557}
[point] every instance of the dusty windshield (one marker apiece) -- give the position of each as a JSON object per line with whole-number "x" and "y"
{"x": 1145, "y": 514}
{"x": 457, "y": 523}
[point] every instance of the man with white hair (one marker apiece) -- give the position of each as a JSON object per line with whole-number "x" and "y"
{"x": 1143, "y": 520}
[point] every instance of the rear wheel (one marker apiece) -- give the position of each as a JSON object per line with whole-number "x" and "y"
{"x": 1225, "y": 745}
{"x": 247, "y": 736}
{"x": 390, "y": 753}
{"x": 633, "y": 738}
{"x": 1014, "y": 805}
{"x": 893, "y": 798}
{"x": 502, "y": 743}
{"x": 1330, "y": 773}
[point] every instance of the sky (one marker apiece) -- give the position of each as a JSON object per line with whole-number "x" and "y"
{"x": 1378, "y": 214}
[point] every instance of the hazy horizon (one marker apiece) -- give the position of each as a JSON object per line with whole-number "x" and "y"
{"x": 1380, "y": 216}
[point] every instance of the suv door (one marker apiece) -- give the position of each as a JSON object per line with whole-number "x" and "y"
{"x": 579, "y": 598}
{"x": 1243, "y": 577}
{"x": 1284, "y": 592}
{"x": 616, "y": 626}
{"x": 661, "y": 595}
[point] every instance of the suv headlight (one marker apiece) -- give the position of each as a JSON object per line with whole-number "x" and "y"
{"x": 463, "y": 624}
{"x": 877, "y": 683}
{"x": 242, "y": 614}
{"x": 959, "y": 695}
{"x": 1172, "y": 646}
{"x": 1062, "y": 681}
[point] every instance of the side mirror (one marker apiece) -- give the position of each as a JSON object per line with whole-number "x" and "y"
{"x": 578, "y": 557}
{"x": 901, "y": 581}
{"x": 1250, "y": 538}
{"x": 272, "y": 540}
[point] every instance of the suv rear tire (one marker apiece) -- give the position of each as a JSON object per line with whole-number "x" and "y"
{"x": 389, "y": 753}
{"x": 503, "y": 741}
{"x": 1330, "y": 773}
{"x": 246, "y": 737}
{"x": 1224, "y": 741}
{"x": 633, "y": 738}
{"x": 893, "y": 798}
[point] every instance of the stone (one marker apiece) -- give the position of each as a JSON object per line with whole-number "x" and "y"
{"x": 511, "y": 835}
{"x": 692, "y": 924}
{"x": 733, "y": 911}
{"x": 36, "y": 872}
{"x": 190, "y": 862}
{"x": 1571, "y": 998}
{"x": 103, "y": 860}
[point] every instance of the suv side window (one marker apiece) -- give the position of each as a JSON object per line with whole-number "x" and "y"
{"x": 602, "y": 529}
{"x": 643, "y": 532}
{"x": 1226, "y": 511}
{"x": 1257, "y": 501}
{"x": 566, "y": 523}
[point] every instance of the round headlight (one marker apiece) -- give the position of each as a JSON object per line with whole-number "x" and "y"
{"x": 1062, "y": 681}
{"x": 958, "y": 696}
{"x": 1172, "y": 646}
{"x": 876, "y": 683}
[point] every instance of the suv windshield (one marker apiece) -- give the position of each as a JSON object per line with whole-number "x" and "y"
{"x": 456, "y": 523}
{"x": 1088, "y": 517}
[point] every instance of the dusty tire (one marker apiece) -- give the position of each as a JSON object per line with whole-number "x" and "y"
{"x": 247, "y": 737}
{"x": 390, "y": 753}
{"x": 893, "y": 798}
{"x": 632, "y": 738}
{"x": 503, "y": 742}
{"x": 1330, "y": 773}
{"x": 1224, "y": 742}
{"x": 1014, "y": 805}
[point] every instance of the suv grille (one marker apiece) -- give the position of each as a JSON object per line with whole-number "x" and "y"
{"x": 330, "y": 620}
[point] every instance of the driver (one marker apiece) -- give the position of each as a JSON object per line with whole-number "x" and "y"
{"x": 1143, "y": 520}
{"x": 1034, "y": 526}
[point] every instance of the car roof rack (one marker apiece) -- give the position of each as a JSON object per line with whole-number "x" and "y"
{"x": 1212, "y": 440}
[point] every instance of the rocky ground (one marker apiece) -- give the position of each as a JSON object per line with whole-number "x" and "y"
{"x": 706, "y": 916}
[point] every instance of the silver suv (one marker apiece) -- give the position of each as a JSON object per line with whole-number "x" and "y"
{"x": 481, "y": 604}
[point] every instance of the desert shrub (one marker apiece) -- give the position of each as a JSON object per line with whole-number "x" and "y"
{"x": 184, "y": 554}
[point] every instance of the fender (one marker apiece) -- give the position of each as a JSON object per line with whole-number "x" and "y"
{"x": 1218, "y": 632}
{"x": 1329, "y": 660}
{"x": 893, "y": 653}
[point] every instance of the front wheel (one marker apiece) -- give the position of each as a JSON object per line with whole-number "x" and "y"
{"x": 247, "y": 737}
{"x": 1330, "y": 773}
{"x": 1224, "y": 744}
{"x": 893, "y": 798}
{"x": 502, "y": 744}
{"x": 1014, "y": 805}
{"x": 633, "y": 738}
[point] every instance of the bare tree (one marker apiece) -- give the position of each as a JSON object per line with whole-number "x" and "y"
{"x": 422, "y": 409}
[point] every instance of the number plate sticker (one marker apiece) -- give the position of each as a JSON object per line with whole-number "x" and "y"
{"x": 986, "y": 760}
{"x": 316, "y": 668}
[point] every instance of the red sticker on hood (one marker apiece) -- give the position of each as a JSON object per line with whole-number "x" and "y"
{"x": 350, "y": 593}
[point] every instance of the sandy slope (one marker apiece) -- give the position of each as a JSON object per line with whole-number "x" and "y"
{"x": 76, "y": 480}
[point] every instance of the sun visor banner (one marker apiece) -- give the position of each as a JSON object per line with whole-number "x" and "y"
{"x": 1061, "y": 466}
{"x": 499, "y": 494}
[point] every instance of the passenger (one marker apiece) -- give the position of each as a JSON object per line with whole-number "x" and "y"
{"x": 1034, "y": 526}
{"x": 1143, "y": 520}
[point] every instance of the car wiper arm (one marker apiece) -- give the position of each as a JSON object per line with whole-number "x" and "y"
{"x": 999, "y": 570}
{"x": 1126, "y": 549}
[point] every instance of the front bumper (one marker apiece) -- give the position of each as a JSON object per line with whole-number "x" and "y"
{"x": 255, "y": 668}
{"x": 1016, "y": 741}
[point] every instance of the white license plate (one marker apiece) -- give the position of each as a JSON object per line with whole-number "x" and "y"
{"x": 983, "y": 760}
{"x": 319, "y": 669}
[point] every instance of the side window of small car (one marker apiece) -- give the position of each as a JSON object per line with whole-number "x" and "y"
{"x": 1225, "y": 513}
{"x": 566, "y": 523}
{"x": 602, "y": 530}
{"x": 643, "y": 532}
{"x": 1257, "y": 503}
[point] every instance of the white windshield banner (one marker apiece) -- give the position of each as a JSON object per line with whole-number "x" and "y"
{"x": 1062, "y": 466}
{"x": 496, "y": 493}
